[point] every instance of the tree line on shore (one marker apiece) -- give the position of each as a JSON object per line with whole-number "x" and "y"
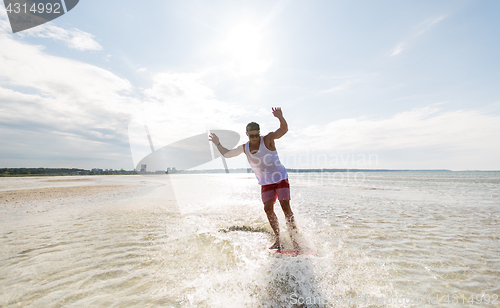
{"x": 58, "y": 171}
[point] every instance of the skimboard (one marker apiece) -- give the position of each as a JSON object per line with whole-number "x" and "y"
{"x": 293, "y": 252}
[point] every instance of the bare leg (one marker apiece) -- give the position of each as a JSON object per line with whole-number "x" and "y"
{"x": 273, "y": 220}
{"x": 290, "y": 222}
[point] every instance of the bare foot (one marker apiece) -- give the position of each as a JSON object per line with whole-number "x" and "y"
{"x": 276, "y": 245}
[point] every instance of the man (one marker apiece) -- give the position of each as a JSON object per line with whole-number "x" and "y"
{"x": 271, "y": 174}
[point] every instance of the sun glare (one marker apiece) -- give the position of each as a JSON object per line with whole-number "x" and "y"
{"x": 242, "y": 42}
{"x": 243, "y": 49}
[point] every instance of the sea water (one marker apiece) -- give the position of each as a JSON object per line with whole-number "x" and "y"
{"x": 383, "y": 239}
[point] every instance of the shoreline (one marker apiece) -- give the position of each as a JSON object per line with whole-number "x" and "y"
{"x": 22, "y": 172}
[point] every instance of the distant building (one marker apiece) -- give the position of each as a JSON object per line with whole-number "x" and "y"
{"x": 143, "y": 168}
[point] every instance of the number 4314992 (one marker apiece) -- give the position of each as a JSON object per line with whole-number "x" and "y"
{"x": 39, "y": 8}
{"x": 477, "y": 299}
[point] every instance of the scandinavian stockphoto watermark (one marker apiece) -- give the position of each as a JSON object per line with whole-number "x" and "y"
{"x": 350, "y": 160}
{"x": 335, "y": 168}
{"x": 398, "y": 299}
{"x": 26, "y": 14}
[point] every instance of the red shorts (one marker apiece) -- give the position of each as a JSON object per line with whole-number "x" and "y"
{"x": 280, "y": 190}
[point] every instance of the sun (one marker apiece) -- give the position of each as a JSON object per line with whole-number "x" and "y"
{"x": 243, "y": 49}
{"x": 242, "y": 42}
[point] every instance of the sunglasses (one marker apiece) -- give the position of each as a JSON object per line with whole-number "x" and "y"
{"x": 254, "y": 136}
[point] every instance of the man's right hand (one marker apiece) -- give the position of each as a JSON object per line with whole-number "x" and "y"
{"x": 213, "y": 137}
{"x": 277, "y": 112}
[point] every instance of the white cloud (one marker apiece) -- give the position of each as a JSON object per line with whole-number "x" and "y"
{"x": 347, "y": 83}
{"x": 73, "y": 38}
{"x": 420, "y": 127}
{"x": 66, "y": 104}
{"x": 28, "y": 66}
{"x": 81, "y": 40}
{"x": 4, "y": 23}
{"x": 423, "y": 138}
{"x": 398, "y": 49}
{"x": 421, "y": 28}
{"x": 429, "y": 23}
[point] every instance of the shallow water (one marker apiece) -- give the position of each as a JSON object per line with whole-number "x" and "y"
{"x": 167, "y": 242}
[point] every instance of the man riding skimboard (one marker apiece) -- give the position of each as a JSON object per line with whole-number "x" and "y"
{"x": 270, "y": 173}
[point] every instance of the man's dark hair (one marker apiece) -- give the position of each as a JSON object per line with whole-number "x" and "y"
{"x": 252, "y": 126}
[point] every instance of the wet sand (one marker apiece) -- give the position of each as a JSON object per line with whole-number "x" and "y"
{"x": 33, "y": 195}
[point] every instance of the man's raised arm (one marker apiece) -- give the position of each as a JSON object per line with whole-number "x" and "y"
{"x": 225, "y": 152}
{"x": 283, "y": 125}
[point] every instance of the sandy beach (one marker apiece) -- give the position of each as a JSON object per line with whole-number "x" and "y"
{"x": 34, "y": 195}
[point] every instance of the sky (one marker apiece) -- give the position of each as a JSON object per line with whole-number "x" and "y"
{"x": 362, "y": 84}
